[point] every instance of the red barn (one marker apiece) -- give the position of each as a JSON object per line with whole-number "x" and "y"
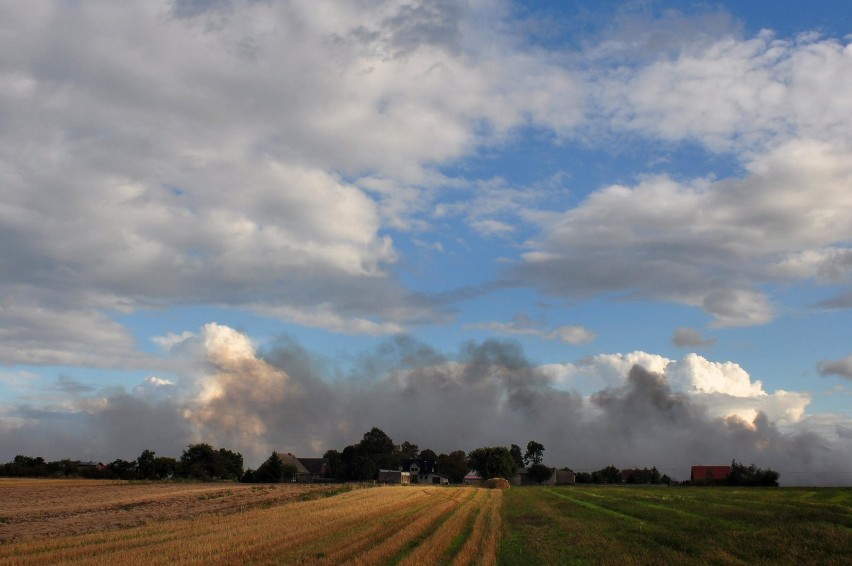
{"x": 710, "y": 473}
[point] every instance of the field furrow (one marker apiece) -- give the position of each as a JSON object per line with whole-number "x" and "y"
{"x": 480, "y": 547}
{"x": 432, "y": 549}
{"x": 364, "y": 526}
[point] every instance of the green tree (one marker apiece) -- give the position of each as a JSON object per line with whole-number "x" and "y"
{"x": 364, "y": 468}
{"x": 409, "y": 450}
{"x": 751, "y": 476}
{"x": 122, "y": 469}
{"x": 165, "y": 467}
{"x": 27, "y": 466}
{"x": 348, "y": 468}
{"x": 610, "y": 474}
{"x": 428, "y": 454}
{"x": 376, "y": 442}
{"x": 379, "y": 448}
{"x": 65, "y": 468}
{"x": 228, "y": 465}
{"x": 146, "y": 465}
{"x": 515, "y": 451}
{"x": 584, "y": 477}
{"x": 534, "y": 453}
{"x": 453, "y": 465}
{"x": 201, "y": 461}
{"x": 539, "y": 473}
{"x": 270, "y": 471}
{"x": 198, "y": 461}
{"x": 492, "y": 462}
{"x": 335, "y": 463}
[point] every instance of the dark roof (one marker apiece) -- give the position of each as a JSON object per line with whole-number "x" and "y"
{"x": 290, "y": 460}
{"x": 426, "y": 466}
{"x": 315, "y": 466}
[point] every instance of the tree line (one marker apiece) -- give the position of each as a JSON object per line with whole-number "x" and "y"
{"x": 198, "y": 462}
{"x": 358, "y": 462}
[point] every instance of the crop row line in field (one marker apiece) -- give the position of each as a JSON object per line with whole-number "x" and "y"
{"x": 595, "y": 507}
{"x": 375, "y": 526}
{"x": 482, "y": 544}
{"x": 431, "y": 546}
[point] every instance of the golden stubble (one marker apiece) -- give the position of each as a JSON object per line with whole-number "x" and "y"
{"x": 406, "y": 524}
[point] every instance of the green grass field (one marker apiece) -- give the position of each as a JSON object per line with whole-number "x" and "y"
{"x": 676, "y": 525}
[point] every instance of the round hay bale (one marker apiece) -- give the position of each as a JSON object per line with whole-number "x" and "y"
{"x": 497, "y": 483}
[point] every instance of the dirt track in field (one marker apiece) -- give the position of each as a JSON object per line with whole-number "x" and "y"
{"x": 50, "y": 508}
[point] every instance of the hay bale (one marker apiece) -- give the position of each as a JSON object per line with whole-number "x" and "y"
{"x": 496, "y": 483}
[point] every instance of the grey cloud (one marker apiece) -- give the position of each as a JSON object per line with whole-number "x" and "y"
{"x": 427, "y": 23}
{"x": 136, "y": 171}
{"x": 70, "y": 386}
{"x": 842, "y": 301}
{"x": 690, "y": 338}
{"x": 713, "y": 244}
{"x": 193, "y": 8}
{"x": 842, "y": 367}
{"x": 120, "y": 426}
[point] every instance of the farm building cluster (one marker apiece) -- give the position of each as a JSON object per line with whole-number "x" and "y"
{"x": 424, "y": 471}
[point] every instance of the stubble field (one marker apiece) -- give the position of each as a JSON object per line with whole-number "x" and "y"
{"x": 124, "y": 523}
{"x": 91, "y": 522}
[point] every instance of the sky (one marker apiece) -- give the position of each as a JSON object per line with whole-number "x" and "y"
{"x": 621, "y": 229}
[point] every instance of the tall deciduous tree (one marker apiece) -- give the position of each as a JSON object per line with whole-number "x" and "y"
{"x": 492, "y": 462}
{"x": 201, "y": 461}
{"x": 409, "y": 450}
{"x": 146, "y": 465}
{"x": 335, "y": 463}
{"x": 515, "y": 451}
{"x": 453, "y": 465}
{"x": 534, "y": 453}
{"x": 539, "y": 473}
{"x": 428, "y": 454}
{"x": 376, "y": 442}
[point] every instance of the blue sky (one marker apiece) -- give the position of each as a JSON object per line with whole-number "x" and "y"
{"x": 273, "y": 225}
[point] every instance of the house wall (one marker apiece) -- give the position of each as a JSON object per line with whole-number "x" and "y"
{"x": 394, "y": 477}
{"x": 564, "y": 477}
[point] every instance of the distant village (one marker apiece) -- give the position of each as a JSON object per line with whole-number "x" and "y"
{"x": 375, "y": 458}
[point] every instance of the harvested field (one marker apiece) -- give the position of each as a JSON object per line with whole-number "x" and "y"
{"x": 400, "y": 525}
{"x": 50, "y": 508}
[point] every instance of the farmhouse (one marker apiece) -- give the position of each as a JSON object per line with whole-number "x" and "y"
{"x": 423, "y": 471}
{"x": 319, "y": 468}
{"x": 308, "y": 470}
{"x": 709, "y": 474}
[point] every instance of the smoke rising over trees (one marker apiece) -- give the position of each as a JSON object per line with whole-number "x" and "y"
{"x": 287, "y": 399}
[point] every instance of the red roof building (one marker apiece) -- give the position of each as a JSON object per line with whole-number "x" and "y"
{"x": 710, "y": 473}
